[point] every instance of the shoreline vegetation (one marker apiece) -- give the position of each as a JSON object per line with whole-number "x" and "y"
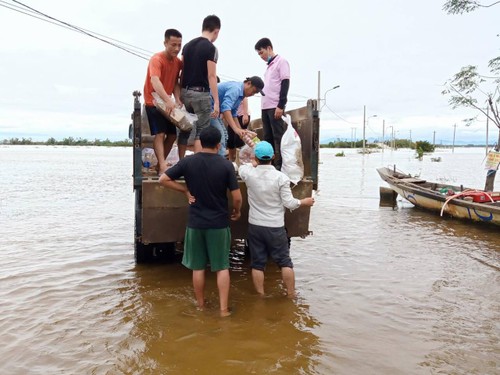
{"x": 396, "y": 143}
{"x": 69, "y": 141}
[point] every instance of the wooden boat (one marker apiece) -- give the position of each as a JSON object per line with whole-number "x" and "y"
{"x": 455, "y": 201}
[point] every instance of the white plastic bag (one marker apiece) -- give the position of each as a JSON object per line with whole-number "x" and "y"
{"x": 246, "y": 155}
{"x": 148, "y": 157}
{"x": 173, "y": 156}
{"x": 291, "y": 153}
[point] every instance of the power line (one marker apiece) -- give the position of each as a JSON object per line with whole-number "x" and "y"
{"x": 29, "y": 11}
{"x": 133, "y": 50}
{"x": 340, "y": 117}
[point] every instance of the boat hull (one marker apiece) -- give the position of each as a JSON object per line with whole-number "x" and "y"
{"x": 426, "y": 195}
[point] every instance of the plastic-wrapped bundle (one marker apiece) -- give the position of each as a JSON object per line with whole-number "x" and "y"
{"x": 179, "y": 116}
{"x": 246, "y": 155}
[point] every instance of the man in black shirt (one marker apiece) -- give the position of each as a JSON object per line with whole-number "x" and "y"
{"x": 208, "y": 235}
{"x": 199, "y": 79}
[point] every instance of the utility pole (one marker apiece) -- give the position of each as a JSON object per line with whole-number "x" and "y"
{"x": 410, "y": 139}
{"x": 434, "y": 139}
{"x": 487, "y": 125}
{"x": 454, "y": 131}
{"x": 364, "y": 125}
{"x": 383, "y": 135}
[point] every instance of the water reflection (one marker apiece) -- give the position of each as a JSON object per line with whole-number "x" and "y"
{"x": 264, "y": 335}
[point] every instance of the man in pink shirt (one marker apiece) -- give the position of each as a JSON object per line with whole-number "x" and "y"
{"x": 277, "y": 83}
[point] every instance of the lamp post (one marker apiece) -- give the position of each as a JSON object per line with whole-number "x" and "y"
{"x": 364, "y": 126}
{"x": 326, "y": 92}
{"x": 392, "y": 135}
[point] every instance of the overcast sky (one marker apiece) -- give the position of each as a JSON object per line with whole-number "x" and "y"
{"x": 391, "y": 55}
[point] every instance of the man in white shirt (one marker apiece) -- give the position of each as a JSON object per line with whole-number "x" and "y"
{"x": 269, "y": 194}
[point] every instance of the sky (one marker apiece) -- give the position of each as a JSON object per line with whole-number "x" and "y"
{"x": 390, "y": 56}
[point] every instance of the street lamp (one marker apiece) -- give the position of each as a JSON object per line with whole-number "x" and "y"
{"x": 392, "y": 136}
{"x": 364, "y": 126}
{"x": 324, "y": 95}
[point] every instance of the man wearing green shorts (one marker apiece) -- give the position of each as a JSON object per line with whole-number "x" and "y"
{"x": 208, "y": 236}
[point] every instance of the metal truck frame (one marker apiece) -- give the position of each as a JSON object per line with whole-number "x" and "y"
{"x": 161, "y": 214}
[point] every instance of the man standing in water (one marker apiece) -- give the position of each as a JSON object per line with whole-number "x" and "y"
{"x": 199, "y": 79}
{"x": 268, "y": 194}
{"x": 163, "y": 78}
{"x": 277, "y": 83}
{"x": 208, "y": 236}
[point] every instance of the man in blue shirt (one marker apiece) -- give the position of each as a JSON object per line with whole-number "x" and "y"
{"x": 230, "y": 96}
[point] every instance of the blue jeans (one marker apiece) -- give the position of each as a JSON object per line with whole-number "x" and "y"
{"x": 219, "y": 125}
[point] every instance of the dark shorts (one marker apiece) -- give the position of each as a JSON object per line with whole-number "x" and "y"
{"x": 159, "y": 123}
{"x": 264, "y": 242}
{"x": 233, "y": 140}
{"x": 207, "y": 246}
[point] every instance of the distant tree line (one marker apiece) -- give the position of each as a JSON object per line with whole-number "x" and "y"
{"x": 69, "y": 141}
{"x": 397, "y": 143}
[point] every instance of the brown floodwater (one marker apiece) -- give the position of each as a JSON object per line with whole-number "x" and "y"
{"x": 381, "y": 291}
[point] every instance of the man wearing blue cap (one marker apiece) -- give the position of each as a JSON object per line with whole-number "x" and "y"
{"x": 269, "y": 194}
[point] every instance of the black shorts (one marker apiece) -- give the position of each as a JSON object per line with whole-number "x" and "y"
{"x": 159, "y": 123}
{"x": 233, "y": 140}
{"x": 265, "y": 242}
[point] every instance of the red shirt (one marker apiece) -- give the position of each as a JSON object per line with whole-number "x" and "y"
{"x": 168, "y": 72}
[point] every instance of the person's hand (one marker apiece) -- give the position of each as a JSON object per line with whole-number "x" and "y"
{"x": 278, "y": 113}
{"x": 191, "y": 198}
{"x": 240, "y": 132}
{"x": 169, "y": 106}
{"x": 307, "y": 201}
{"x": 215, "y": 113}
{"x": 235, "y": 215}
{"x": 245, "y": 119}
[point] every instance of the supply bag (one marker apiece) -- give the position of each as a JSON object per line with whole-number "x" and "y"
{"x": 180, "y": 117}
{"x": 291, "y": 153}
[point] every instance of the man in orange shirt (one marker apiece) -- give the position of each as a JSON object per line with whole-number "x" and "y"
{"x": 163, "y": 78}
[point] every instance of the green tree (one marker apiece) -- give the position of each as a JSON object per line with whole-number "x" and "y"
{"x": 425, "y": 146}
{"x": 469, "y": 88}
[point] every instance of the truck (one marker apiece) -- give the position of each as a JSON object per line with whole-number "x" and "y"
{"x": 161, "y": 213}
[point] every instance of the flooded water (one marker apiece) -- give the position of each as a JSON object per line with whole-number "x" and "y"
{"x": 382, "y": 291}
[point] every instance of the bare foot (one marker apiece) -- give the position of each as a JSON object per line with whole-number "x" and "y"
{"x": 225, "y": 313}
{"x": 292, "y": 295}
{"x": 202, "y": 307}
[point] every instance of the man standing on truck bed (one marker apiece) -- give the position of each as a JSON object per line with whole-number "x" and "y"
{"x": 163, "y": 78}
{"x": 268, "y": 194}
{"x": 208, "y": 236}
{"x": 231, "y": 94}
{"x": 277, "y": 83}
{"x": 199, "y": 79}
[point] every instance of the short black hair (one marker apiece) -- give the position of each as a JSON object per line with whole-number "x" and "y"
{"x": 211, "y": 23}
{"x": 172, "y": 32}
{"x": 264, "y": 162}
{"x": 263, "y": 43}
{"x": 210, "y": 137}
